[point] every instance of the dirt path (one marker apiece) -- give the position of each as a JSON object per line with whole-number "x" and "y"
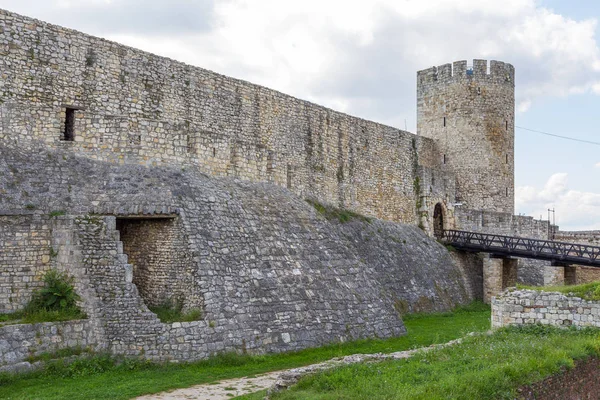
{"x": 277, "y": 380}
{"x": 225, "y": 389}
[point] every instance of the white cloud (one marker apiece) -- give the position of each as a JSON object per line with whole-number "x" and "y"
{"x": 575, "y": 210}
{"x": 523, "y": 106}
{"x": 360, "y": 54}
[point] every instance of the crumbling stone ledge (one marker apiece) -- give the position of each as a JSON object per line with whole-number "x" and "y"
{"x": 18, "y": 343}
{"x": 519, "y": 307}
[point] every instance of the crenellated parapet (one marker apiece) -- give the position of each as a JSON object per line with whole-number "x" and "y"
{"x": 498, "y": 72}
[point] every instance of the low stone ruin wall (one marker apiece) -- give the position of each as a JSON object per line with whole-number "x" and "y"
{"x": 518, "y": 307}
{"x": 20, "y": 344}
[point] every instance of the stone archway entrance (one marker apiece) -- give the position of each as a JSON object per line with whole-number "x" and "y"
{"x": 438, "y": 220}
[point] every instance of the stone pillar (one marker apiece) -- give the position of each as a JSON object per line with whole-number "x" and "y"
{"x": 554, "y": 275}
{"x": 509, "y": 272}
{"x": 498, "y": 274}
{"x": 492, "y": 277}
{"x": 571, "y": 275}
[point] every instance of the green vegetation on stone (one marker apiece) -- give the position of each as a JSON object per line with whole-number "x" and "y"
{"x": 480, "y": 367}
{"x": 55, "y": 301}
{"x": 588, "y": 291}
{"x": 171, "y": 310}
{"x": 333, "y": 213}
{"x": 61, "y": 353}
{"x": 104, "y": 377}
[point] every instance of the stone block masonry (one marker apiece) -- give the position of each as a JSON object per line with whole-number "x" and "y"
{"x": 518, "y": 307}
{"x": 470, "y": 114}
{"x": 25, "y": 254}
{"x": 179, "y": 182}
{"x": 20, "y": 343}
{"x": 161, "y": 260}
{"x": 270, "y": 272}
{"x": 124, "y": 105}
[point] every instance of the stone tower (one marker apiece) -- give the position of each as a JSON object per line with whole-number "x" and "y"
{"x": 469, "y": 112}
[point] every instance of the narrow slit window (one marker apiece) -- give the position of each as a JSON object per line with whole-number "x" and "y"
{"x": 507, "y": 158}
{"x": 270, "y": 162}
{"x": 506, "y": 124}
{"x": 289, "y": 176}
{"x": 506, "y": 192}
{"x": 69, "y": 132}
{"x": 444, "y": 121}
{"x": 214, "y": 152}
{"x": 444, "y": 159}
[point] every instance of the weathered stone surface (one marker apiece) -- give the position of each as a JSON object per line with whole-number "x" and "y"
{"x": 470, "y": 114}
{"x": 20, "y": 342}
{"x": 518, "y": 307}
{"x": 267, "y": 271}
{"x": 270, "y": 272}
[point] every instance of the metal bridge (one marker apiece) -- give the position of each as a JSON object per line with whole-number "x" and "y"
{"x": 560, "y": 253}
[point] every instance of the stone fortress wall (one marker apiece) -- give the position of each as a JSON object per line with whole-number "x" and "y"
{"x": 268, "y": 272}
{"x": 150, "y": 180}
{"x": 129, "y": 106}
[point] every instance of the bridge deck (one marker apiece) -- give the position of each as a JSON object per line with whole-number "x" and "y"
{"x": 560, "y": 252}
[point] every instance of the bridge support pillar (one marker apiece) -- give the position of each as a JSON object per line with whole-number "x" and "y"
{"x": 554, "y": 275}
{"x": 558, "y": 274}
{"x": 571, "y": 275}
{"x": 498, "y": 274}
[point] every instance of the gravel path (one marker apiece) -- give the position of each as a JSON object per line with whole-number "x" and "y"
{"x": 277, "y": 380}
{"x": 221, "y": 390}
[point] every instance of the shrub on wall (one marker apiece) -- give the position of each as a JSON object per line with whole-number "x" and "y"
{"x": 171, "y": 310}
{"x": 56, "y": 301}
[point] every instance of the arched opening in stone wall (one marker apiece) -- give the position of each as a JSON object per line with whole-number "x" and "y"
{"x": 438, "y": 220}
{"x": 163, "y": 270}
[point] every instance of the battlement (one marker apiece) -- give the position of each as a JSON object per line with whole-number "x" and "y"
{"x": 498, "y": 72}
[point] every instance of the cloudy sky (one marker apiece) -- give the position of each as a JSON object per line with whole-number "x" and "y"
{"x": 361, "y": 57}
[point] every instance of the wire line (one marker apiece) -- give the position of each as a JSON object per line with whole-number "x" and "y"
{"x": 559, "y": 136}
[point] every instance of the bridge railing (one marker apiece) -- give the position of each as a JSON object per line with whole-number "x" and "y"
{"x": 524, "y": 247}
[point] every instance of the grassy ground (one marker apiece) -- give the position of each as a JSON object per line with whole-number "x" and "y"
{"x": 481, "y": 367}
{"x": 100, "y": 378}
{"x": 588, "y": 291}
{"x": 35, "y": 316}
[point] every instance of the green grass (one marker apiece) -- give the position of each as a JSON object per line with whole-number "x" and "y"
{"x": 62, "y": 353}
{"x": 103, "y": 377}
{"x": 339, "y": 214}
{"x": 172, "y": 311}
{"x": 481, "y": 367}
{"x": 588, "y": 291}
{"x": 55, "y": 301}
{"x": 10, "y": 317}
{"x": 36, "y": 316}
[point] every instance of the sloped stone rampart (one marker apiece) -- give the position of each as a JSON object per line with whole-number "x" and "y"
{"x": 270, "y": 272}
{"x": 518, "y": 307}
